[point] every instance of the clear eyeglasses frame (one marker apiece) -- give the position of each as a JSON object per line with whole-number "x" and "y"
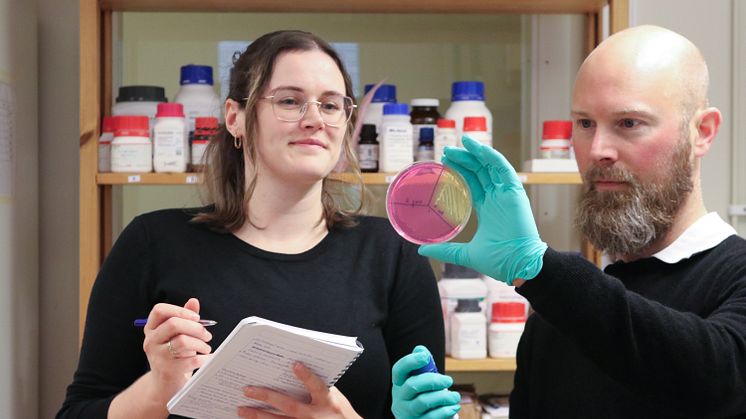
{"x": 291, "y": 105}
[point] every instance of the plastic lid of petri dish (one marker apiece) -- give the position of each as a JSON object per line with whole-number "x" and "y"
{"x": 428, "y": 203}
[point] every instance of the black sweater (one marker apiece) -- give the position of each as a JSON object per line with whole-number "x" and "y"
{"x": 645, "y": 339}
{"x": 363, "y": 281}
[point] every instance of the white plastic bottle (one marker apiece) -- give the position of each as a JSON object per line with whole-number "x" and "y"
{"x": 170, "y": 139}
{"x": 476, "y": 128}
{"x": 467, "y": 99}
{"x": 104, "y": 144}
{"x": 506, "y": 328}
{"x": 386, "y": 93}
{"x": 197, "y": 94}
{"x": 131, "y": 149}
{"x": 395, "y": 138}
{"x": 445, "y": 135}
{"x": 468, "y": 331}
{"x": 459, "y": 282}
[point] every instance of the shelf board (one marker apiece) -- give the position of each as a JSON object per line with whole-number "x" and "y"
{"x": 358, "y": 6}
{"x": 368, "y": 178}
{"x": 480, "y": 365}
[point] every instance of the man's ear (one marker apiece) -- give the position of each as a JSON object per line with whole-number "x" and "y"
{"x": 708, "y": 124}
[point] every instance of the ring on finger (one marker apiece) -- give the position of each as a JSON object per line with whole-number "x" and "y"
{"x": 171, "y": 350}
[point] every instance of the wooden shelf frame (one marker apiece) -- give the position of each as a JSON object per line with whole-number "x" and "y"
{"x": 108, "y": 179}
{"x": 96, "y": 84}
{"x": 480, "y": 365}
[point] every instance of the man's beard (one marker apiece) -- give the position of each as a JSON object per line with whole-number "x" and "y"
{"x": 627, "y": 222}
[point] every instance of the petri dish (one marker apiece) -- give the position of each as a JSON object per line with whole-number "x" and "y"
{"x": 428, "y": 202}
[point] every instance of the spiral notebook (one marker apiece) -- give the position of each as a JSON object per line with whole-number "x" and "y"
{"x": 261, "y": 352}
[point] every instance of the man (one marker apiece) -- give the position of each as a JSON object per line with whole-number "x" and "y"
{"x": 660, "y": 333}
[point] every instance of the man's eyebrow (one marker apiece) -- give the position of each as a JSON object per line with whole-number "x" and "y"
{"x": 621, "y": 113}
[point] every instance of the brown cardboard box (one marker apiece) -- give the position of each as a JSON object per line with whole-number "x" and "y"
{"x": 469, "y": 404}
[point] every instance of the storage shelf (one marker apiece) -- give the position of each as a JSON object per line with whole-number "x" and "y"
{"x": 480, "y": 365}
{"x": 358, "y": 6}
{"x": 368, "y": 178}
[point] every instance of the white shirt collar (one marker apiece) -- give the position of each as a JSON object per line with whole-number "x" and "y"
{"x": 706, "y": 233}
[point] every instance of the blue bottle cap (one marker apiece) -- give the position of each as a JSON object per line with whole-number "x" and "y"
{"x": 385, "y": 93}
{"x": 467, "y": 90}
{"x": 396, "y": 109}
{"x": 196, "y": 74}
{"x": 430, "y": 367}
{"x": 427, "y": 134}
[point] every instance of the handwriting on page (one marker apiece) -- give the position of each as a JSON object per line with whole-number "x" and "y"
{"x": 266, "y": 361}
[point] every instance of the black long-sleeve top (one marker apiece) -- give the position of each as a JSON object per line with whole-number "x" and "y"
{"x": 644, "y": 339}
{"x": 362, "y": 281}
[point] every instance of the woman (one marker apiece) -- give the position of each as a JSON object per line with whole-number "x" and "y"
{"x": 274, "y": 243}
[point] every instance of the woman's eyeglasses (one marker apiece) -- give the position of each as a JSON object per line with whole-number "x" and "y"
{"x": 291, "y": 105}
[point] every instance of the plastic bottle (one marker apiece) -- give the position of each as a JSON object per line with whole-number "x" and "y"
{"x": 104, "y": 144}
{"x": 508, "y": 322}
{"x": 555, "y": 140}
{"x": 459, "y": 282}
{"x": 139, "y": 100}
{"x": 476, "y": 128}
{"x": 367, "y": 149}
{"x": 445, "y": 135}
{"x": 425, "y": 149}
{"x": 395, "y": 138}
{"x": 468, "y": 330}
{"x": 424, "y": 114}
{"x": 467, "y": 99}
{"x": 386, "y": 93}
{"x": 205, "y": 129}
{"x": 131, "y": 149}
{"x": 170, "y": 140}
{"x": 197, "y": 94}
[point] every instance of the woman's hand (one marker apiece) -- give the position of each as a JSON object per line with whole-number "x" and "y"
{"x": 326, "y": 402}
{"x": 175, "y": 344}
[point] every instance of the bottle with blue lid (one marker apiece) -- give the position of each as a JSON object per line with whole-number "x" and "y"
{"x": 467, "y": 99}
{"x": 386, "y": 93}
{"x": 395, "y": 138}
{"x": 197, "y": 94}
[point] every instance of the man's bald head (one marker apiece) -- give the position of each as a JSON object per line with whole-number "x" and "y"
{"x": 667, "y": 61}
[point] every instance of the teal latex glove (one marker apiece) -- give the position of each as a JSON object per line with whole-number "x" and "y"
{"x": 506, "y": 244}
{"x": 421, "y": 396}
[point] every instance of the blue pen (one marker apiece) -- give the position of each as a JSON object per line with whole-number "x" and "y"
{"x": 142, "y": 322}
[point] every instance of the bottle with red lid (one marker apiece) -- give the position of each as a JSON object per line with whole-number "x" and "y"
{"x": 506, "y": 328}
{"x": 131, "y": 149}
{"x": 170, "y": 139}
{"x": 104, "y": 144}
{"x": 476, "y": 128}
{"x": 205, "y": 129}
{"x": 555, "y": 139}
{"x": 445, "y": 135}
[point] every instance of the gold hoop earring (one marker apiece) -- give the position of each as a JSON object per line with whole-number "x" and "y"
{"x": 237, "y": 142}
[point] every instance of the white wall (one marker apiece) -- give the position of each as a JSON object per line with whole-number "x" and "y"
{"x": 58, "y": 194}
{"x": 19, "y": 282}
{"x": 709, "y": 24}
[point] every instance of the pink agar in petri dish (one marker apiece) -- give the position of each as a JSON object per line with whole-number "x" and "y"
{"x": 428, "y": 203}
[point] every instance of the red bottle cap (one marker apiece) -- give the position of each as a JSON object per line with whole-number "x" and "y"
{"x": 557, "y": 129}
{"x": 205, "y": 122}
{"x": 166, "y": 109}
{"x": 475, "y": 123}
{"x": 446, "y": 123}
{"x": 107, "y": 125}
{"x": 131, "y": 126}
{"x": 508, "y": 312}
